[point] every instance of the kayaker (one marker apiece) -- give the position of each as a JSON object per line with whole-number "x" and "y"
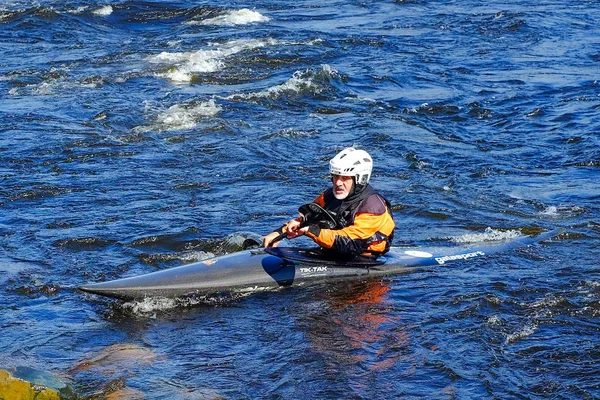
{"x": 366, "y": 221}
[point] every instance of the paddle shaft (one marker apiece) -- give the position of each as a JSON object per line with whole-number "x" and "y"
{"x": 284, "y": 234}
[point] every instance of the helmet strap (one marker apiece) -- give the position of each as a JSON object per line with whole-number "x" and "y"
{"x": 353, "y": 189}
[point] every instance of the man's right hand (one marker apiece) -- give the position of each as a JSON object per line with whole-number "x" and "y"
{"x": 292, "y": 229}
{"x": 269, "y": 238}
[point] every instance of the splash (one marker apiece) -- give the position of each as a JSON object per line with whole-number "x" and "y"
{"x": 301, "y": 82}
{"x": 526, "y": 331}
{"x": 189, "y": 63}
{"x": 52, "y": 82}
{"x": 235, "y": 17}
{"x": 150, "y": 306}
{"x": 103, "y": 11}
{"x": 186, "y": 116}
{"x": 237, "y": 240}
{"x": 562, "y": 211}
{"x": 182, "y": 67}
{"x": 548, "y": 302}
{"x": 181, "y": 116}
{"x": 184, "y": 258}
{"x": 488, "y": 235}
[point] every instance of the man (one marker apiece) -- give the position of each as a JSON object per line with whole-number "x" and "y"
{"x": 367, "y": 225}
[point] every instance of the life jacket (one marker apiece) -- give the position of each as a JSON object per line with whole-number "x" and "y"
{"x": 369, "y": 235}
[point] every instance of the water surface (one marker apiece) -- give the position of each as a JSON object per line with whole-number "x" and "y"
{"x": 137, "y": 136}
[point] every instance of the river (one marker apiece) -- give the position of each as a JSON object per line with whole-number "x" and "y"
{"x": 141, "y": 135}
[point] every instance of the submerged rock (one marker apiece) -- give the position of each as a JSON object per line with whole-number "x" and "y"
{"x": 38, "y": 377}
{"x": 116, "y": 359}
{"x": 17, "y": 389}
{"x": 117, "y": 390}
{"x": 107, "y": 371}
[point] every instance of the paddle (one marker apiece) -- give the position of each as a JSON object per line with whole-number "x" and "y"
{"x": 312, "y": 214}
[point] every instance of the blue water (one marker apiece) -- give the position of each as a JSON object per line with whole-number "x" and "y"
{"x": 136, "y": 136}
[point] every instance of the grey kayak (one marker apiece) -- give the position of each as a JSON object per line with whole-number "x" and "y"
{"x": 271, "y": 268}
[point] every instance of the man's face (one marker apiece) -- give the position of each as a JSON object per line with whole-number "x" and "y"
{"x": 342, "y": 185}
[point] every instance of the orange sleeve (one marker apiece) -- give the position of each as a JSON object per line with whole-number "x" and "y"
{"x": 320, "y": 200}
{"x": 356, "y": 237}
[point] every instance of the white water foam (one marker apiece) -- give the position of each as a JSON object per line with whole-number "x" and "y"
{"x": 78, "y": 10}
{"x": 103, "y": 11}
{"x": 181, "y": 116}
{"x": 550, "y": 211}
{"x": 526, "y": 331}
{"x": 186, "y": 64}
{"x": 181, "y": 67}
{"x": 301, "y": 81}
{"x": 235, "y": 17}
{"x": 149, "y": 306}
{"x": 186, "y": 116}
{"x": 562, "y": 211}
{"x": 47, "y": 88}
{"x": 487, "y": 236}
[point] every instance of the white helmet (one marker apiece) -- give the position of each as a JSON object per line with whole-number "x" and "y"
{"x": 352, "y": 162}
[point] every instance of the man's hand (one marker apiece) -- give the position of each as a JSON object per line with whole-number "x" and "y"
{"x": 269, "y": 238}
{"x": 293, "y": 229}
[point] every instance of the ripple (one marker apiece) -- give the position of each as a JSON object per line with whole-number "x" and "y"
{"x": 523, "y": 333}
{"x": 309, "y": 82}
{"x": 142, "y": 135}
{"x": 84, "y": 244}
{"x": 40, "y": 192}
{"x": 184, "y": 116}
{"x": 181, "y": 257}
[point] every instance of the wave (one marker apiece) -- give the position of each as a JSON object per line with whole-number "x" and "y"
{"x": 16, "y": 11}
{"x": 184, "y": 249}
{"x": 49, "y": 82}
{"x": 204, "y": 15}
{"x": 182, "y": 67}
{"x": 234, "y": 17}
{"x": 132, "y": 12}
{"x": 562, "y": 211}
{"x": 152, "y": 305}
{"x": 182, "y": 116}
{"x": 187, "y": 257}
{"x": 524, "y": 332}
{"x": 186, "y": 116}
{"x": 84, "y": 243}
{"x": 103, "y": 11}
{"x": 39, "y": 192}
{"x": 311, "y": 81}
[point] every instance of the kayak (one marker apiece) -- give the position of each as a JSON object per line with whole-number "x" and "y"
{"x": 276, "y": 267}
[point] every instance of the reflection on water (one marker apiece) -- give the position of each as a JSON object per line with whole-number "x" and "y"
{"x": 357, "y": 332}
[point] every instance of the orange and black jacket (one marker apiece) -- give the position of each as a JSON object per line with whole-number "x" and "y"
{"x": 368, "y": 225}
